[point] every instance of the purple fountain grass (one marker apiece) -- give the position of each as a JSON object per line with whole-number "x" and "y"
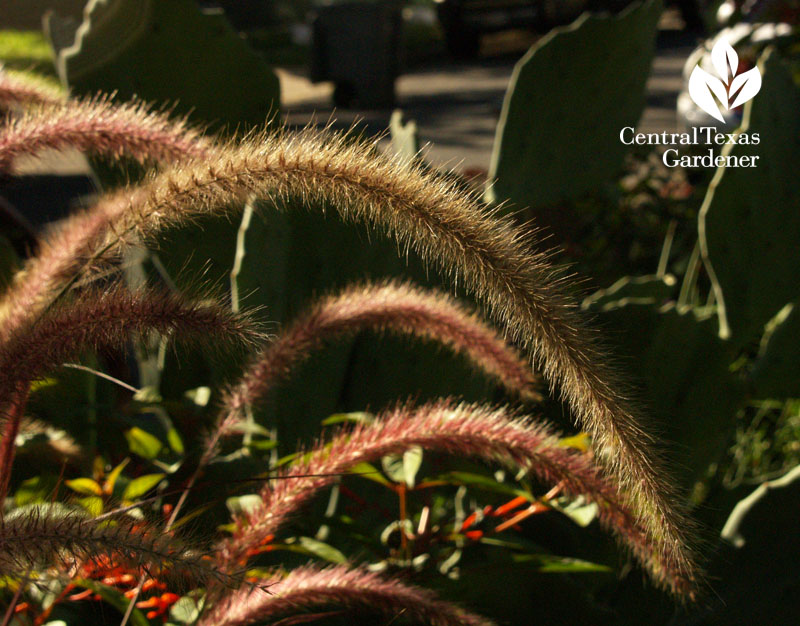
{"x": 391, "y": 307}
{"x": 61, "y": 252}
{"x": 43, "y": 535}
{"x": 12, "y": 408}
{"x": 97, "y": 126}
{"x": 489, "y": 433}
{"x": 98, "y": 319}
{"x": 308, "y": 588}
{"x": 450, "y": 229}
{"x": 17, "y": 90}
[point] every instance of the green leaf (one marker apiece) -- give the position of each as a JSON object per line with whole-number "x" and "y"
{"x": 92, "y": 504}
{"x": 44, "y": 383}
{"x": 552, "y": 564}
{"x": 578, "y": 510}
{"x": 86, "y": 486}
{"x": 392, "y": 466}
{"x": 140, "y": 486}
{"x": 358, "y": 417}
{"x": 370, "y": 472}
{"x": 174, "y": 440}
{"x": 403, "y": 469}
{"x": 412, "y": 460}
{"x": 142, "y": 443}
{"x": 264, "y": 444}
{"x": 244, "y": 428}
{"x": 286, "y": 460}
{"x": 479, "y": 481}
{"x": 35, "y": 490}
{"x": 193, "y": 514}
{"x": 580, "y": 442}
{"x": 322, "y": 550}
{"x": 113, "y": 475}
{"x": 187, "y": 609}
{"x": 200, "y": 396}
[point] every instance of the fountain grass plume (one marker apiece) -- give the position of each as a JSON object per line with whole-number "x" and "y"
{"x": 451, "y": 230}
{"x": 392, "y": 307}
{"x": 38, "y": 536}
{"x": 102, "y": 318}
{"x": 99, "y": 127}
{"x": 489, "y": 433}
{"x": 17, "y": 89}
{"x": 307, "y": 590}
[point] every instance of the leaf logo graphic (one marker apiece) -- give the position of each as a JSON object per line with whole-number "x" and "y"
{"x": 730, "y": 89}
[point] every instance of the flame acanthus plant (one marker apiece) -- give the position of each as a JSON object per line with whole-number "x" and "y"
{"x": 68, "y": 298}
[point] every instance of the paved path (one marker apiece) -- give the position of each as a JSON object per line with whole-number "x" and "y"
{"x": 456, "y": 106}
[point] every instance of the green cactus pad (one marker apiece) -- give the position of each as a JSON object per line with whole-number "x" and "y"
{"x": 754, "y": 567}
{"x": 750, "y": 220}
{"x": 569, "y": 98}
{"x": 167, "y": 52}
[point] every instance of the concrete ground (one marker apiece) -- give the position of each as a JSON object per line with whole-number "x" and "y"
{"x": 457, "y": 105}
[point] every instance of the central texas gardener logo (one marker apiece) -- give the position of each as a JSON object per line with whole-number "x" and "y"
{"x": 731, "y": 89}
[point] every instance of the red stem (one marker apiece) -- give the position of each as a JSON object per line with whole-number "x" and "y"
{"x": 15, "y": 409}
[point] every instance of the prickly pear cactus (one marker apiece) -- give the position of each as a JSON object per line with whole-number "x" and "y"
{"x": 168, "y": 52}
{"x": 405, "y": 140}
{"x": 750, "y": 220}
{"x": 569, "y": 98}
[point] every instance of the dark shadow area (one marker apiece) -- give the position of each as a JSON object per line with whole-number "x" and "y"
{"x": 45, "y": 198}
